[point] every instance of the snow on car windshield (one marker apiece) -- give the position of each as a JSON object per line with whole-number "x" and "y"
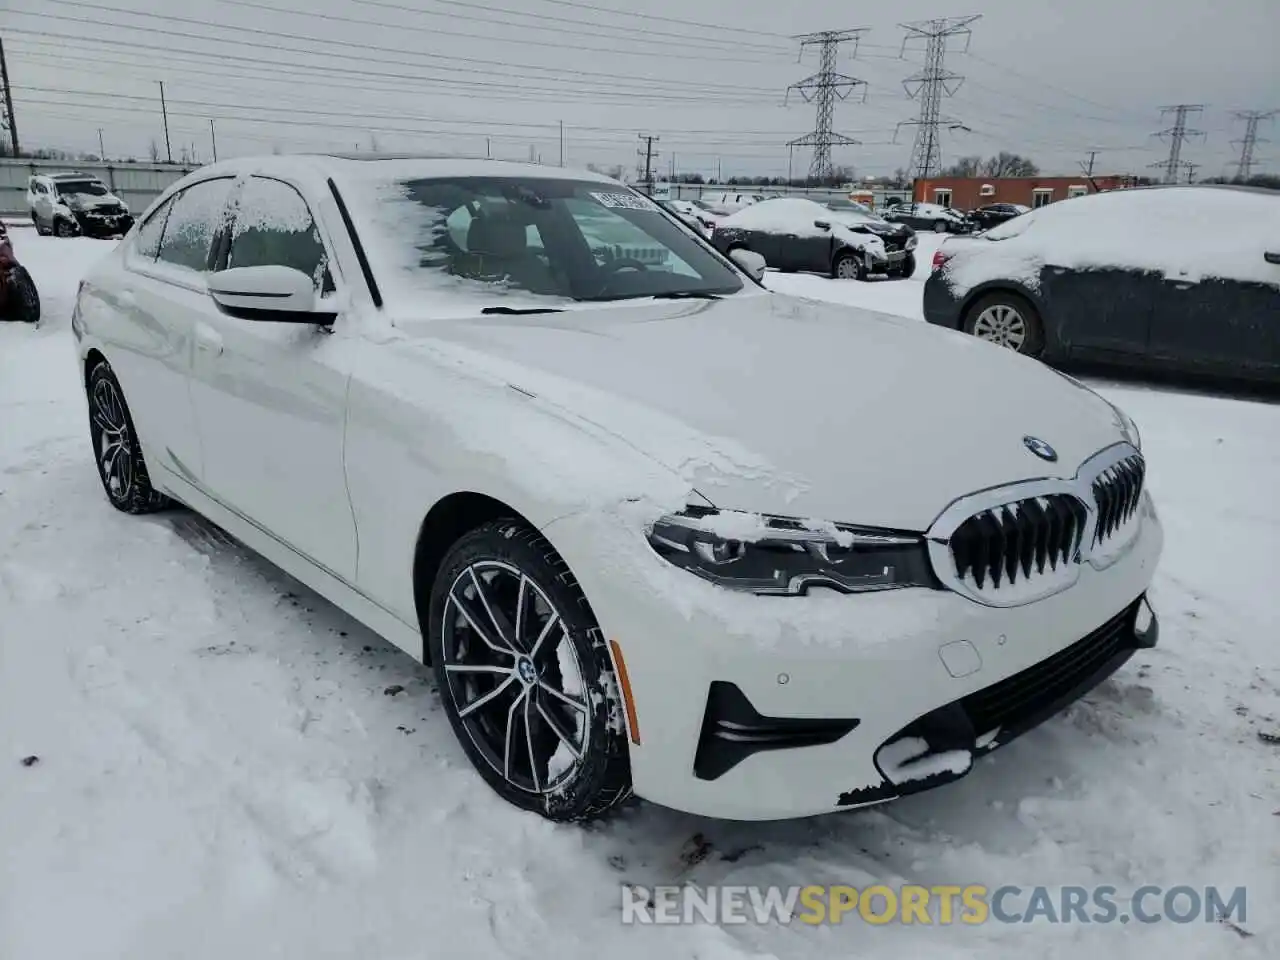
{"x": 1160, "y": 229}
{"x": 461, "y": 244}
{"x": 86, "y": 188}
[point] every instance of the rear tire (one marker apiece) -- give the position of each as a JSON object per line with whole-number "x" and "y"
{"x": 116, "y": 450}
{"x": 41, "y": 229}
{"x": 525, "y": 675}
{"x": 1008, "y": 320}
{"x": 939, "y": 226}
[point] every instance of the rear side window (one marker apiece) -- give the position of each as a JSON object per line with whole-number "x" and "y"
{"x": 194, "y": 220}
{"x": 147, "y": 243}
{"x": 274, "y": 227}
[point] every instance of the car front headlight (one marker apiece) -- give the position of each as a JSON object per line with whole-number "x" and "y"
{"x": 761, "y": 554}
{"x": 1128, "y": 427}
{"x": 912, "y": 242}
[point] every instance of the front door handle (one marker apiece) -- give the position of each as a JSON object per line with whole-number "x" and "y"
{"x": 1272, "y": 257}
{"x": 208, "y": 340}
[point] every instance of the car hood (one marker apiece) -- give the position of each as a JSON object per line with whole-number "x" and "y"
{"x": 86, "y": 201}
{"x": 827, "y": 411}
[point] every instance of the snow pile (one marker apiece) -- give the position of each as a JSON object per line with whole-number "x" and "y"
{"x": 1184, "y": 233}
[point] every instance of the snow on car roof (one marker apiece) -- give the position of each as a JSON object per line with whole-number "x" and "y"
{"x": 1184, "y": 232}
{"x": 781, "y": 214}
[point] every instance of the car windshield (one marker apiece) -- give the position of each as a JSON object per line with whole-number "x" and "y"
{"x": 491, "y": 242}
{"x": 86, "y": 188}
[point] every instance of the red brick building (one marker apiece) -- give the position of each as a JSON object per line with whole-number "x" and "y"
{"x": 966, "y": 193}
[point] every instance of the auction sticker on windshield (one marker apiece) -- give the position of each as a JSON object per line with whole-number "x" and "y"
{"x": 627, "y": 201}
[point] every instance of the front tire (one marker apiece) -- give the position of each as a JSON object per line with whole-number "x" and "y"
{"x": 116, "y": 450}
{"x": 23, "y": 293}
{"x": 940, "y": 226}
{"x": 908, "y": 267}
{"x": 63, "y": 228}
{"x": 525, "y": 675}
{"x": 1007, "y": 320}
{"x": 849, "y": 266}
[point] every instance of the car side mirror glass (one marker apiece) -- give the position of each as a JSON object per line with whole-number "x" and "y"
{"x": 272, "y": 293}
{"x": 751, "y": 263}
{"x": 822, "y": 224}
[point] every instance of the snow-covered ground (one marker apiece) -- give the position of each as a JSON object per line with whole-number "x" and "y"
{"x": 229, "y": 767}
{"x": 891, "y": 295}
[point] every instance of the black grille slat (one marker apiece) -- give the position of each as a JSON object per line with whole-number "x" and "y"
{"x": 1116, "y": 495}
{"x": 1005, "y": 703}
{"x": 1040, "y": 536}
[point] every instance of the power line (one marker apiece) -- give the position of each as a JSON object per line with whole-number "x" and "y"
{"x": 1251, "y": 118}
{"x": 1176, "y": 134}
{"x": 483, "y": 66}
{"x": 824, "y": 88}
{"x": 930, "y": 85}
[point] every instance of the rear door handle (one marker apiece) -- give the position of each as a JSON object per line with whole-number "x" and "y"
{"x": 208, "y": 339}
{"x": 1272, "y": 257}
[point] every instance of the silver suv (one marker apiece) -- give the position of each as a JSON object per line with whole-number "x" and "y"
{"x": 76, "y": 204}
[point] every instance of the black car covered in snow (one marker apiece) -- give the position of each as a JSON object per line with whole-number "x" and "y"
{"x": 1185, "y": 278}
{"x": 994, "y": 214}
{"x": 792, "y": 233}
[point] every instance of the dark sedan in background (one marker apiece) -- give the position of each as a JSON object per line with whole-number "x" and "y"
{"x": 929, "y": 216}
{"x": 792, "y": 233}
{"x": 994, "y": 214}
{"x": 1183, "y": 278}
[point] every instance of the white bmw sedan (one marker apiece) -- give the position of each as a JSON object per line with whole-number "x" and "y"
{"x": 654, "y": 527}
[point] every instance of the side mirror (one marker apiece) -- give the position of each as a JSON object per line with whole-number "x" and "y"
{"x": 271, "y": 293}
{"x": 751, "y": 263}
{"x": 822, "y": 224}
{"x": 1271, "y": 257}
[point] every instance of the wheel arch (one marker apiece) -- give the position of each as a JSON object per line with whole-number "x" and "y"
{"x": 448, "y": 519}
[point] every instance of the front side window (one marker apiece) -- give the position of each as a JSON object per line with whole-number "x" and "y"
{"x": 146, "y": 243}
{"x": 475, "y": 239}
{"x": 196, "y": 217}
{"x": 274, "y": 227}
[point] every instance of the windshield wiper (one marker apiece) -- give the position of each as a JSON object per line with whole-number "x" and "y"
{"x": 520, "y": 311}
{"x": 687, "y": 295}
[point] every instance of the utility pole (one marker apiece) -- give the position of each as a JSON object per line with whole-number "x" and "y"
{"x": 213, "y": 139}
{"x": 562, "y": 143}
{"x": 646, "y": 153}
{"x": 1087, "y": 168}
{"x": 488, "y": 152}
{"x": 102, "y": 150}
{"x": 823, "y": 89}
{"x": 1251, "y": 118}
{"x": 10, "y": 120}
{"x": 164, "y": 111}
{"x": 1176, "y": 135}
{"x": 1191, "y": 171}
{"x": 930, "y": 85}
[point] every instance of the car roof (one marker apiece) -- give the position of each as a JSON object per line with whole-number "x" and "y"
{"x": 351, "y": 167}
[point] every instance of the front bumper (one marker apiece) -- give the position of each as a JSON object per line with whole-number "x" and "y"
{"x": 97, "y": 225}
{"x": 870, "y": 696}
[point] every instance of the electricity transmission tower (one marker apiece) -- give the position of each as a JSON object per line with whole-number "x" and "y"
{"x": 1176, "y": 134}
{"x": 824, "y": 88}
{"x": 930, "y": 85}
{"x": 1251, "y": 118}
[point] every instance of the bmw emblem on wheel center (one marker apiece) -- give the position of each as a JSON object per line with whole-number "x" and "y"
{"x": 1040, "y": 448}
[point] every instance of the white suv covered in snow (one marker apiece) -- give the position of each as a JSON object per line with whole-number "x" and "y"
{"x": 76, "y": 204}
{"x": 653, "y": 526}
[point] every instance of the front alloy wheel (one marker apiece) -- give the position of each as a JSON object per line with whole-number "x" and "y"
{"x": 525, "y": 677}
{"x": 119, "y": 458}
{"x": 850, "y": 266}
{"x": 1007, "y": 321}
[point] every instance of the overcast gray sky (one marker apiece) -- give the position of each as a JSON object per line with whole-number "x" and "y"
{"x": 1048, "y": 78}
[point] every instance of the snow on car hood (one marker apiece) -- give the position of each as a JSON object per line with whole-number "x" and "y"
{"x": 867, "y": 418}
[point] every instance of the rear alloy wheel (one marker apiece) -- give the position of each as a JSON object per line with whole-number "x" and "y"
{"x": 115, "y": 447}
{"x": 525, "y": 675}
{"x": 849, "y": 266}
{"x": 1007, "y": 320}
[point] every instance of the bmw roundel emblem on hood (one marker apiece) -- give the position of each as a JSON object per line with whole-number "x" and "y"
{"x": 1040, "y": 448}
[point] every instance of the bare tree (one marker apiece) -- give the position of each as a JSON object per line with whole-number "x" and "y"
{"x": 155, "y": 151}
{"x": 1005, "y": 164}
{"x": 965, "y": 167}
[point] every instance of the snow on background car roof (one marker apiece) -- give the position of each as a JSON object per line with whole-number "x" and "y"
{"x": 799, "y": 217}
{"x": 1186, "y": 233}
